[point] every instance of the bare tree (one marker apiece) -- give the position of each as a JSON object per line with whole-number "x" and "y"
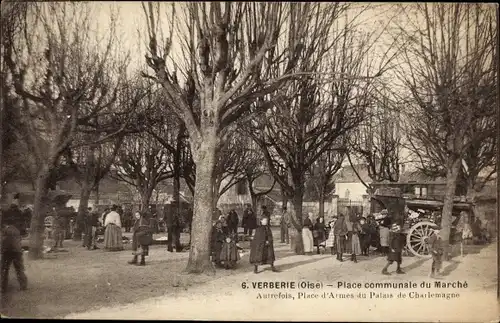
{"x": 378, "y": 140}
{"x": 311, "y": 115}
{"x": 321, "y": 175}
{"x": 143, "y": 163}
{"x": 225, "y": 47}
{"x": 450, "y": 72}
{"x": 231, "y": 165}
{"x": 255, "y": 168}
{"x": 90, "y": 164}
{"x": 62, "y": 80}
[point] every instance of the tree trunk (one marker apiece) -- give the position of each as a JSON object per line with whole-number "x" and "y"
{"x": 284, "y": 199}
{"x": 297, "y": 244}
{"x": 97, "y": 195}
{"x": 37, "y": 233}
{"x": 451, "y": 183}
{"x": 321, "y": 204}
{"x": 177, "y": 192}
{"x": 204, "y": 157}
{"x": 82, "y": 210}
{"x": 146, "y": 197}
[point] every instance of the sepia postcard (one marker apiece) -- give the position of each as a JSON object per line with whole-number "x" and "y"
{"x": 249, "y": 161}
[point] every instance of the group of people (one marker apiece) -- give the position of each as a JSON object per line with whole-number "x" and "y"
{"x": 224, "y": 238}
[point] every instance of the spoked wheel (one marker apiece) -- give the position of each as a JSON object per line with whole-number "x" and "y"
{"x": 417, "y": 237}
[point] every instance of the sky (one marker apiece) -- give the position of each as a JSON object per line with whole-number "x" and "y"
{"x": 131, "y": 25}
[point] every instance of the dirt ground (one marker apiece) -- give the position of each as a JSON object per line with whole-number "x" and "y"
{"x": 225, "y": 298}
{"x": 98, "y": 284}
{"x": 78, "y": 280}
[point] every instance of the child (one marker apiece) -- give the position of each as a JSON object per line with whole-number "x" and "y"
{"x": 436, "y": 246}
{"x": 217, "y": 242}
{"x": 229, "y": 253}
{"x": 142, "y": 237}
{"x": 330, "y": 241}
{"x": 396, "y": 245}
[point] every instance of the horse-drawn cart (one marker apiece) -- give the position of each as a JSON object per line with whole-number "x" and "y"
{"x": 417, "y": 216}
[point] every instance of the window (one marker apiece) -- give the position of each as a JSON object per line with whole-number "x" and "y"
{"x": 347, "y": 194}
{"x": 421, "y": 190}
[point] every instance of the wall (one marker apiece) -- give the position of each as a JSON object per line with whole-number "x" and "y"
{"x": 356, "y": 191}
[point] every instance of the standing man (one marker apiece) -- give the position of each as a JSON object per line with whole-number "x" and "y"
{"x": 92, "y": 222}
{"x": 232, "y": 222}
{"x": 340, "y": 232}
{"x": 285, "y": 225}
{"x": 58, "y": 229}
{"x": 174, "y": 230}
{"x": 249, "y": 222}
{"x": 12, "y": 253}
{"x": 128, "y": 219}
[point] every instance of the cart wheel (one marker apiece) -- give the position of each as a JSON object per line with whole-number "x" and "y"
{"x": 417, "y": 237}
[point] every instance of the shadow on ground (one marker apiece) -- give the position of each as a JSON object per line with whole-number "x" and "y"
{"x": 447, "y": 270}
{"x": 416, "y": 264}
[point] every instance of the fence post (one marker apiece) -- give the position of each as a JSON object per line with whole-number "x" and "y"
{"x": 366, "y": 205}
{"x": 334, "y": 205}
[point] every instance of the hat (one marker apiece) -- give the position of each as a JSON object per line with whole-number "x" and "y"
{"x": 309, "y": 214}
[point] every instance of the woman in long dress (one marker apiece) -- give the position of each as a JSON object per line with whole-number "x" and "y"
{"x": 262, "y": 248}
{"x": 307, "y": 236}
{"x": 113, "y": 233}
{"x": 319, "y": 233}
{"x": 355, "y": 243}
{"x": 330, "y": 241}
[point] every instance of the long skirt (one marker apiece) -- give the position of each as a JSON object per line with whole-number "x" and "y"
{"x": 340, "y": 243}
{"x": 330, "y": 242}
{"x": 384, "y": 236}
{"x": 348, "y": 243}
{"x": 355, "y": 245}
{"x": 113, "y": 238}
{"x": 307, "y": 239}
{"x": 229, "y": 252}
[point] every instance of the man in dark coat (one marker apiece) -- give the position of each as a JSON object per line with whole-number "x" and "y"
{"x": 12, "y": 253}
{"x": 365, "y": 236}
{"x": 173, "y": 230}
{"x": 340, "y": 232}
{"x": 285, "y": 223}
{"x": 261, "y": 248}
{"x": 128, "y": 218}
{"x": 91, "y": 225}
{"x": 397, "y": 242}
{"x": 232, "y": 222}
{"x": 249, "y": 221}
